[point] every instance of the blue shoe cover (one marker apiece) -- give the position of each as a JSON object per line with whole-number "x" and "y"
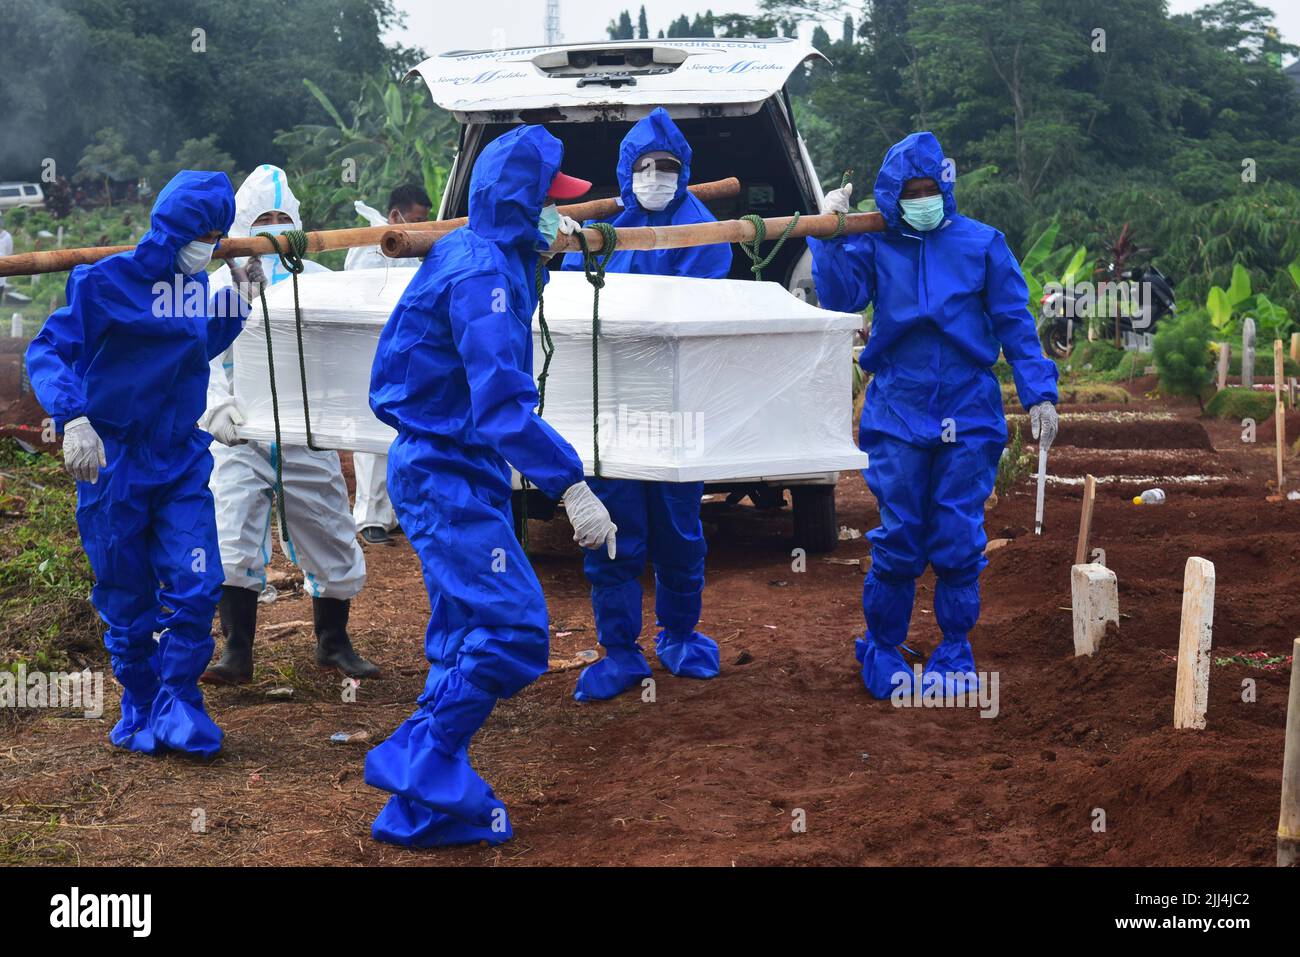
{"x": 412, "y": 824}
{"x": 411, "y": 763}
{"x": 883, "y": 669}
{"x": 955, "y": 661}
{"x": 182, "y": 724}
{"x": 695, "y": 656}
{"x": 132, "y": 730}
{"x": 620, "y": 669}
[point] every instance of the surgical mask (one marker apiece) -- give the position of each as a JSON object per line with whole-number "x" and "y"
{"x": 275, "y": 229}
{"x": 654, "y": 189}
{"x": 549, "y": 223}
{"x": 924, "y": 213}
{"x": 194, "y": 257}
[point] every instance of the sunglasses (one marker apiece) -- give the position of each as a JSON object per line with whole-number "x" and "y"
{"x": 660, "y": 165}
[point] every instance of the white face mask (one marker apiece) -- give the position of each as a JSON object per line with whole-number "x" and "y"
{"x": 275, "y": 229}
{"x": 653, "y": 188}
{"x": 194, "y": 257}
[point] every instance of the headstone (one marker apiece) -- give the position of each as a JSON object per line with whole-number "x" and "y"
{"x": 16, "y": 325}
{"x": 1192, "y": 692}
{"x": 1095, "y": 599}
{"x": 1248, "y": 354}
{"x": 1225, "y": 357}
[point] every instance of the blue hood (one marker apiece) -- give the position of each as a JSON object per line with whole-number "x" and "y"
{"x": 917, "y": 155}
{"x": 191, "y": 204}
{"x": 656, "y": 132}
{"x": 509, "y": 185}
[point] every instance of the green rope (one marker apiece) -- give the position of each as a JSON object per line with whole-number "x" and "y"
{"x": 593, "y": 267}
{"x": 841, "y": 219}
{"x": 291, "y": 259}
{"x": 753, "y": 248}
{"x": 548, "y": 350}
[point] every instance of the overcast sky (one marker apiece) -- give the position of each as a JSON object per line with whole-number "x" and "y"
{"x": 441, "y": 25}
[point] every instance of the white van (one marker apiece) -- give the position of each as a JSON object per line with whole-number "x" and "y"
{"x": 13, "y": 195}
{"x": 730, "y": 100}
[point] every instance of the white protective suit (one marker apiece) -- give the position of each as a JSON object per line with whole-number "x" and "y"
{"x": 6, "y": 249}
{"x": 323, "y": 539}
{"x": 373, "y": 507}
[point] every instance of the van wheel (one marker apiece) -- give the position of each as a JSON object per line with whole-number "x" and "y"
{"x": 814, "y": 517}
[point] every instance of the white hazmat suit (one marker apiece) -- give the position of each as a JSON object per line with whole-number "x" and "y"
{"x": 323, "y": 536}
{"x": 373, "y": 507}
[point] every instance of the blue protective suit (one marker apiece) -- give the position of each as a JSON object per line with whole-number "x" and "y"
{"x": 130, "y": 351}
{"x": 656, "y": 520}
{"x": 945, "y": 302}
{"x": 453, "y": 375}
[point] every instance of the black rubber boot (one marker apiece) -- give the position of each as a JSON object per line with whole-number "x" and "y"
{"x": 238, "y": 611}
{"x": 333, "y": 646}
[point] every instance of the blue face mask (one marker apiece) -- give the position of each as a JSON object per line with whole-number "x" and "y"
{"x": 924, "y": 213}
{"x": 549, "y": 223}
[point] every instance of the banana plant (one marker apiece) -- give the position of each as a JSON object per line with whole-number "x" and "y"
{"x": 395, "y": 136}
{"x": 1228, "y": 307}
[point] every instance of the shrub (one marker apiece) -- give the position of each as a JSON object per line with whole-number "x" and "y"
{"x": 1183, "y": 357}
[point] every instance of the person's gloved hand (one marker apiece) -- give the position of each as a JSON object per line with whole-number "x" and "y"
{"x": 1043, "y": 422}
{"x": 83, "y": 451}
{"x": 568, "y": 226}
{"x": 225, "y": 421}
{"x": 837, "y": 200}
{"x": 592, "y": 526}
{"x": 249, "y": 280}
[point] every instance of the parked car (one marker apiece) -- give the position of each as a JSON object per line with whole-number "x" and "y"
{"x": 729, "y": 98}
{"x": 13, "y": 195}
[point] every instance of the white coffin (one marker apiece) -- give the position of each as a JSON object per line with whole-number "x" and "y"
{"x": 700, "y": 379}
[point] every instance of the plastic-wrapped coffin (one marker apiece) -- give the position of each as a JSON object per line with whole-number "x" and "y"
{"x": 699, "y": 379}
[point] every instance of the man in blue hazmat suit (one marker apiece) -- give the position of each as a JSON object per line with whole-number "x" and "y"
{"x": 453, "y": 374}
{"x": 658, "y": 520}
{"x": 123, "y": 370}
{"x": 947, "y": 295}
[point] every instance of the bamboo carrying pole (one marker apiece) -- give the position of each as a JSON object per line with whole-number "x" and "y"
{"x": 402, "y": 243}
{"x": 61, "y": 260}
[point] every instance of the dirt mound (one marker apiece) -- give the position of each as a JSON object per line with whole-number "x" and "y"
{"x": 1106, "y": 434}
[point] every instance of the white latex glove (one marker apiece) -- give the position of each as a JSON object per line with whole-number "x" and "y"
{"x": 83, "y": 451}
{"x": 249, "y": 280}
{"x": 592, "y": 526}
{"x": 1043, "y": 422}
{"x": 568, "y": 226}
{"x": 837, "y": 200}
{"x": 224, "y": 421}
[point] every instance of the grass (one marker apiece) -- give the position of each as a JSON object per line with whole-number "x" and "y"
{"x": 1082, "y": 392}
{"x": 1014, "y": 466}
{"x": 1237, "y": 403}
{"x": 46, "y": 619}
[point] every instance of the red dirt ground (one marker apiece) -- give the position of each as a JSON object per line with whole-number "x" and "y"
{"x": 712, "y": 772}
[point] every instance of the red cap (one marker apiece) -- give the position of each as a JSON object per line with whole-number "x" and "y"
{"x": 565, "y": 186}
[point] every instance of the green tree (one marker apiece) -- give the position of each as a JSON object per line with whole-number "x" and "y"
{"x": 106, "y": 161}
{"x": 1183, "y": 356}
{"x": 620, "y": 29}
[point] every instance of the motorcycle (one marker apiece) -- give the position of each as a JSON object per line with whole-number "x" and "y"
{"x": 1131, "y": 301}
